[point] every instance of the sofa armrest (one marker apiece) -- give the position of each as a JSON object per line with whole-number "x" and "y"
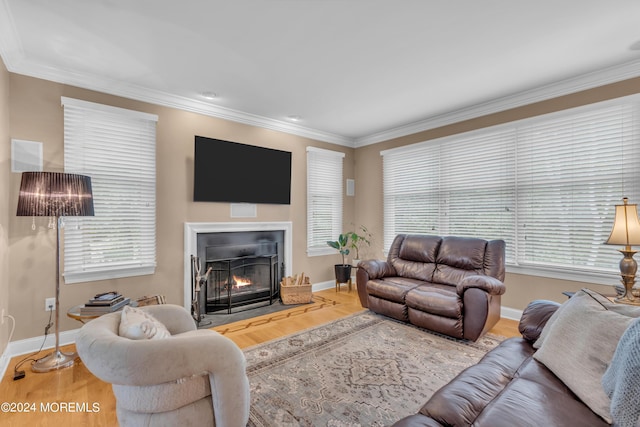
{"x": 377, "y": 269}
{"x": 489, "y": 284}
{"x": 369, "y": 270}
{"x": 534, "y": 317}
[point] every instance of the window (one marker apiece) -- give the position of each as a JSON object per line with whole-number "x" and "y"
{"x": 572, "y": 170}
{"x": 546, "y": 185}
{"x": 116, "y": 148}
{"x": 451, "y": 188}
{"x": 324, "y": 199}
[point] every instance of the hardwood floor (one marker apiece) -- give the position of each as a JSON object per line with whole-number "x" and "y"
{"x": 74, "y": 397}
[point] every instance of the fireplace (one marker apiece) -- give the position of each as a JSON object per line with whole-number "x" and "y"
{"x": 243, "y": 264}
{"x": 242, "y": 274}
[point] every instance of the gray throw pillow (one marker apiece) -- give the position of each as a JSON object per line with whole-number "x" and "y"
{"x": 627, "y": 310}
{"x": 580, "y": 343}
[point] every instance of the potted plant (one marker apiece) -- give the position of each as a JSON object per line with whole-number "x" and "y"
{"x": 342, "y": 271}
{"x": 358, "y": 239}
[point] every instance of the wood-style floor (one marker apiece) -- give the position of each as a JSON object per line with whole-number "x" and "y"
{"x": 74, "y": 397}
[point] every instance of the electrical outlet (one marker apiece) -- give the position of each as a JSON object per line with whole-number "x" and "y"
{"x": 49, "y": 302}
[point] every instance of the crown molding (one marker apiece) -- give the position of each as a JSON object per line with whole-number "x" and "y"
{"x": 118, "y": 88}
{"x": 586, "y": 81}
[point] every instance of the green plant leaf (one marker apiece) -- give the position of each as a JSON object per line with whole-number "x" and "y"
{"x": 334, "y": 245}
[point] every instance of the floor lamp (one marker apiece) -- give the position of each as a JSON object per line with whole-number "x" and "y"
{"x": 55, "y": 194}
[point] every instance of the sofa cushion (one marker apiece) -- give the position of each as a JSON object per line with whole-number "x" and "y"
{"x": 465, "y": 397}
{"x": 392, "y": 288}
{"x": 459, "y": 257}
{"x": 435, "y": 300}
{"x": 462, "y": 252}
{"x": 579, "y": 345}
{"x": 420, "y": 248}
{"x": 525, "y": 403}
{"x": 413, "y": 256}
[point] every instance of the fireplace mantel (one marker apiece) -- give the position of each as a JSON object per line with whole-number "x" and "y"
{"x": 192, "y": 229}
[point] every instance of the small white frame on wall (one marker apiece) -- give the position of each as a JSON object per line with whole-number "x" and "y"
{"x": 26, "y": 156}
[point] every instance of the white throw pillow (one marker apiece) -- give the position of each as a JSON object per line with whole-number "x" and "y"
{"x": 137, "y": 324}
{"x": 580, "y": 343}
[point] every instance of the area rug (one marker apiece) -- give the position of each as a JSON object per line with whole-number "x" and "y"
{"x": 363, "y": 370}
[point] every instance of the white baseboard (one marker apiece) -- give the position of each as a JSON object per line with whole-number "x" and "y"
{"x": 321, "y": 286}
{"x": 31, "y": 345}
{"x": 4, "y": 363}
{"x": 510, "y": 313}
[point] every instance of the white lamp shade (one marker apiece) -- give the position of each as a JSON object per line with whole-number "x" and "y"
{"x": 626, "y": 226}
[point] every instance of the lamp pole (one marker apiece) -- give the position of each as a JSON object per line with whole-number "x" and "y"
{"x": 57, "y": 359}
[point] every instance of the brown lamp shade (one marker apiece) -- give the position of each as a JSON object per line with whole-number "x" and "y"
{"x": 55, "y": 194}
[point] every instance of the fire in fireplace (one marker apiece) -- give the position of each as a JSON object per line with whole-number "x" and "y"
{"x": 240, "y": 282}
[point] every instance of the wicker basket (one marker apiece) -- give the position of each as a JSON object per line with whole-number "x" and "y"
{"x": 295, "y": 294}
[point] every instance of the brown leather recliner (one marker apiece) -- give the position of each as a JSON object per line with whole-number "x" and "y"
{"x": 451, "y": 285}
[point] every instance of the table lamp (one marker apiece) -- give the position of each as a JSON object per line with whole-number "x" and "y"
{"x": 626, "y": 232}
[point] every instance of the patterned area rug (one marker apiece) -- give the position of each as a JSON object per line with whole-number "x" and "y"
{"x": 363, "y": 370}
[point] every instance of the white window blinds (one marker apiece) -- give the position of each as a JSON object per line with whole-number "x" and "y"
{"x": 572, "y": 169}
{"x": 547, "y": 186}
{"x": 116, "y": 148}
{"x": 324, "y": 199}
{"x": 461, "y": 187}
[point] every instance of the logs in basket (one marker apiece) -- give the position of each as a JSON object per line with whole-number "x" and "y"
{"x": 296, "y": 289}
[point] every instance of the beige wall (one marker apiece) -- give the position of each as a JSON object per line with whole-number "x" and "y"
{"x": 36, "y": 115}
{"x": 5, "y": 168}
{"x": 368, "y": 166}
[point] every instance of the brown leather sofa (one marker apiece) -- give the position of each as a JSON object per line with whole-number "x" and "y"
{"x": 451, "y": 285}
{"x": 507, "y": 388}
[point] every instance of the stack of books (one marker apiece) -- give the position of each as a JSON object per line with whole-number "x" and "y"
{"x": 104, "y": 303}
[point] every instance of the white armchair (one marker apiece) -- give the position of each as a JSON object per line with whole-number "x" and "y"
{"x": 193, "y": 378}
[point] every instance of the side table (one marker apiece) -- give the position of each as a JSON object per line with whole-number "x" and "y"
{"x": 75, "y": 313}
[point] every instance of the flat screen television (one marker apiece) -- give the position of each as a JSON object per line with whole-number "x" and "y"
{"x": 226, "y": 171}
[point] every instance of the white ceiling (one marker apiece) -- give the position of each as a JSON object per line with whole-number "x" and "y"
{"x": 354, "y": 71}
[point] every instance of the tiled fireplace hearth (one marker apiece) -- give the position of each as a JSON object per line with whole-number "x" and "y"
{"x": 245, "y": 260}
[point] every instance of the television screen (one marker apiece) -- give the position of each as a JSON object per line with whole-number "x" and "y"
{"x": 227, "y": 171}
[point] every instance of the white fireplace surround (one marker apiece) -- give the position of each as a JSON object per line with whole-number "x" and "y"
{"x": 192, "y": 229}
